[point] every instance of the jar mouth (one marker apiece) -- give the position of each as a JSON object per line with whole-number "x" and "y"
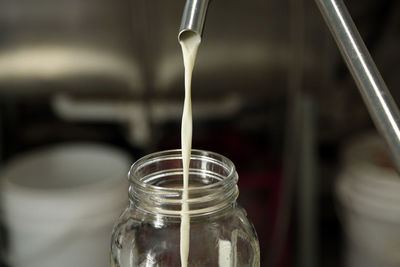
{"x": 156, "y": 182}
{"x": 135, "y": 177}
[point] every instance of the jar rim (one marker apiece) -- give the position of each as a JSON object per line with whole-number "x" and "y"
{"x": 156, "y": 183}
{"x": 177, "y": 153}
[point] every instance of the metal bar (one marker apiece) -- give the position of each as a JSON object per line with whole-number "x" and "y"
{"x": 293, "y": 135}
{"x": 373, "y": 89}
{"x": 307, "y": 204}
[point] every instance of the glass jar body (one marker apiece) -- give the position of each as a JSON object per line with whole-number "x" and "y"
{"x": 224, "y": 239}
{"x": 149, "y": 230}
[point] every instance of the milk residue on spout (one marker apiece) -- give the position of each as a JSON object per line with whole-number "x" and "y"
{"x": 190, "y": 43}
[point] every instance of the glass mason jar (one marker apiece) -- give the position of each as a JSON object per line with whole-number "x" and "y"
{"x": 148, "y": 231}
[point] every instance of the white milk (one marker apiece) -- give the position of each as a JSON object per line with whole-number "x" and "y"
{"x": 190, "y": 44}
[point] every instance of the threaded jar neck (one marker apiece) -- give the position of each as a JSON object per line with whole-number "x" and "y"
{"x": 156, "y": 183}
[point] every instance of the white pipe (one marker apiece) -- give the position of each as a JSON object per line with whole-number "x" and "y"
{"x": 135, "y": 112}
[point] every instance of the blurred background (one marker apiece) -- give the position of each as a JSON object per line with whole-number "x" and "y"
{"x": 80, "y": 80}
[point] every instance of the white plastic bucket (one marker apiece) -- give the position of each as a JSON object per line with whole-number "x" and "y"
{"x": 368, "y": 190}
{"x": 60, "y": 203}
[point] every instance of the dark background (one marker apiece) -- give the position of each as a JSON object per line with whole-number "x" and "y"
{"x": 242, "y": 91}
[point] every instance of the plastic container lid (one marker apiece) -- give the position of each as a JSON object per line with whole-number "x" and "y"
{"x": 369, "y": 183}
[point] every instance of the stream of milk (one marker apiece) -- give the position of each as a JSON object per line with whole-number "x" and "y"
{"x": 190, "y": 44}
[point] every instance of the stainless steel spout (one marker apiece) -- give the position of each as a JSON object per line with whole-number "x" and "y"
{"x": 193, "y": 18}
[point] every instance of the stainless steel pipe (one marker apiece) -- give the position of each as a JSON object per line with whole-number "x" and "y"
{"x": 194, "y": 15}
{"x": 373, "y": 89}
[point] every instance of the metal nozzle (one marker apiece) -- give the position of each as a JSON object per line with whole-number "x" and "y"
{"x": 193, "y": 17}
